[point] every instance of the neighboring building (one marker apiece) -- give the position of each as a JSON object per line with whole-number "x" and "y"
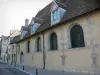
{"x": 12, "y": 50}
{"x": 62, "y": 36}
{"x": 14, "y": 33}
{"x": 11, "y": 53}
{"x": 25, "y": 31}
{"x": 0, "y": 47}
{"x": 4, "y": 45}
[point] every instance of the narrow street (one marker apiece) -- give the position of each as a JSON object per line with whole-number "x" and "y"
{"x": 7, "y": 70}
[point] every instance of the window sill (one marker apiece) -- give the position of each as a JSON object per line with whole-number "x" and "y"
{"x": 28, "y": 53}
{"x": 73, "y": 49}
{"x": 53, "y": 50}
{"x": 39, "y": 52}
{"x": 77, "y": 48}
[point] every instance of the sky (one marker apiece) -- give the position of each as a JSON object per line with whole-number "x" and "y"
{"x": 14, "y": 12}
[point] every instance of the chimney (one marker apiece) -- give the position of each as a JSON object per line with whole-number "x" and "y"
{"x": 32, "y": 20}
{"x": 26, "y": 22}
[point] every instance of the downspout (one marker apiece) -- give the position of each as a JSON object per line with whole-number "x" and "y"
{"x": 43, "y": 52}
{"x": 16, "y": 54}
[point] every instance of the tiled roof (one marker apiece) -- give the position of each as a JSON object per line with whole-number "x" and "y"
{"x": 15, "y": 39}
{"x": 74, "y": 9}
{"x": 78, "y": 7}
{"x": 45, "y": 11}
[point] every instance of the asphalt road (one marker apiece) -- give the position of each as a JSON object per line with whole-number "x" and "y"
{"x": 8, "y": 70}
{"x": 5, "y": 69}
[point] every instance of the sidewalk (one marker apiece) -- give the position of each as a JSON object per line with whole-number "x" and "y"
{"x": 26, "y": 69}
{"x": 33, "y": 71}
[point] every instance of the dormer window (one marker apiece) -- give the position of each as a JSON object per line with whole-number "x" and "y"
{"x": 23, "y": 33}
{"x": 34, "y": 27}
{"x": 56, "y": 13}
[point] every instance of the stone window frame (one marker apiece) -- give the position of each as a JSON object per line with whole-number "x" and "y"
{"x": 28, "y": 46}
{"x": 49, "y": 49}
{"x": 37, "y": 45}
{"x": 18, "y": 49}
{"x": 21, "y": 57}
{"x": 68, "y": 34}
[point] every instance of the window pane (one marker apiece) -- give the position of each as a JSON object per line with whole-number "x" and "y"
{"x": 39, "y": 44}
{"x": 28, "y": 46}
{"x": 55, "y": 15}
{"x": 53, "y": 41}
{"x": 77, "y": 37}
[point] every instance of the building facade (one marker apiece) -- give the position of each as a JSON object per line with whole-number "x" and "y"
{"x": 4, "y": 47}
{"x": 65, "y": 38}
{"x": 0, "y": 48}
{"x": 11, "y": 52}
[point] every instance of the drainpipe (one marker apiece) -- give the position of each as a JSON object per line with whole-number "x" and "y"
{"x": 43, "y": 52}
{"x": 16, "y": 54}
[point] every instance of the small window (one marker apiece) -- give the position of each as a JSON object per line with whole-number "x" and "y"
{"x": 12, "y": 46}
{"x": 55, "y": 15}
{"x": 28, "y": 46}
{"x": 18, "y": 49}
{"x": 35, "y": 27}
{"x": 14, "y": 57}
{"x": 8, "y": 57}
{"x": 39, "y": 45}
{"x": 53, "y": 42}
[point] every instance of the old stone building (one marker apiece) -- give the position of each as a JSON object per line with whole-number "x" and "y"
{"x": 6, "y": 48}
{"x": 11, "y": 52}
{"x": 0, "y": 47}
{"x": 62, "y": 36}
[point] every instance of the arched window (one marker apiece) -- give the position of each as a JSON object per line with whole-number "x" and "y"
{"x": 28, "y": 47}
{"x": 53, "y": 42}
{"x": 77, "y": 37}
{"x": 39, "y": 44}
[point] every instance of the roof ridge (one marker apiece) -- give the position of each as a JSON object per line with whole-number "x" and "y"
{"x": 60, "y": 3}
